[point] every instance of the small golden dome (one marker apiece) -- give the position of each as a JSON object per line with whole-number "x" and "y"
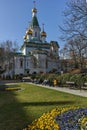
{"x": 25, "y": 37}
{"x": 34, "y": 10}
{"x": 29, "y": 32}
{"x": 43, "y": 34}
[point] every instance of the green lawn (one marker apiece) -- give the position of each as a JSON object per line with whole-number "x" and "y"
{"x": 20, "y": 108}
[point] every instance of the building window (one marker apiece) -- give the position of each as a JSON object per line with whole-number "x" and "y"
{"x": 21, "y": 63}
{"x": 27, "y": 63}
{"x": 46, "y": 63}
{"x": 35, "y": 34}
{"x": 34, "y": 60}
{"x": 28, "y": 72}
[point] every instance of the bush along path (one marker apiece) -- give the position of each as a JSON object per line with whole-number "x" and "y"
{"x": 78, "y": 79}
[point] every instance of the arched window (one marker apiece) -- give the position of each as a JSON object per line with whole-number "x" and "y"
{"x": 46, "y": 63}
{"x": 21, "y": 63}
{"x": 35, "y": 34}
{"x": 27, "y": 63}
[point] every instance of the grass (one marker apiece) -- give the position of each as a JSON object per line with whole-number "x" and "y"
{"x": 20, "y": 108}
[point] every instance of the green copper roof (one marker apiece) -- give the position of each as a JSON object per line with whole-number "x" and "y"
{"x": 34, "y": 22}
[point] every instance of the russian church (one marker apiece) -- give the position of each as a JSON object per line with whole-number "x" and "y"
{"x": 37, "y": 55}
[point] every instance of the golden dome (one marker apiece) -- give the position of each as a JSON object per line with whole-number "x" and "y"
{"x": 25, "y": 37}
{"x": 34, "y": 10}
{"x": 29, "y": 32}
{"x": 43, "y": 34}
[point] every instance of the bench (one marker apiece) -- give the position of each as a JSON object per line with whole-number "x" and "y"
{"x": 26, "y": 79}
{"x": 85, "y": 84}
{"x": 70, "y": 84}
{"x": 73, "y": 85}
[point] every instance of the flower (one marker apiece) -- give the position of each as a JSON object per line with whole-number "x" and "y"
{"x": 71, "y": 119}
{"x": 84, "y": 123}
{"x": 66, "y": 118}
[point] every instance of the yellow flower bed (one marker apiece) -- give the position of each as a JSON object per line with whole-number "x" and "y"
{"x": 84, "y": 123}
{"x": 47, "y": 121}
{"x": 12, "y": 89}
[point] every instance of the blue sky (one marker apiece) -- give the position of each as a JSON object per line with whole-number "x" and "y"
{"x": 16, "y": 14}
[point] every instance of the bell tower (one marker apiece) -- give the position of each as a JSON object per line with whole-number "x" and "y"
{"x": 43, "y": 35}
{"x": 35, "y": 24}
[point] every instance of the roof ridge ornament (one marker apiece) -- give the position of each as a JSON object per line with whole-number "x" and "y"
{"x": 34, "y": 3}
{"x": 34, "y": 10}
{"x": 43, "y": 27}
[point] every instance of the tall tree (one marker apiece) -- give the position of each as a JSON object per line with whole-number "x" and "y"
{"x": 74, "y": 31}
{"x": 7, "y": 52}
{"x": 75, "y": 22}
{"x": 76, "y": 50}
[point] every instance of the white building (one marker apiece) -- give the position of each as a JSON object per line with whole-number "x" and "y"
{"x": 37, "y": 55}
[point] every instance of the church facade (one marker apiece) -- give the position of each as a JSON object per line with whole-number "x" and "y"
{"x": 37, "y": 55}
